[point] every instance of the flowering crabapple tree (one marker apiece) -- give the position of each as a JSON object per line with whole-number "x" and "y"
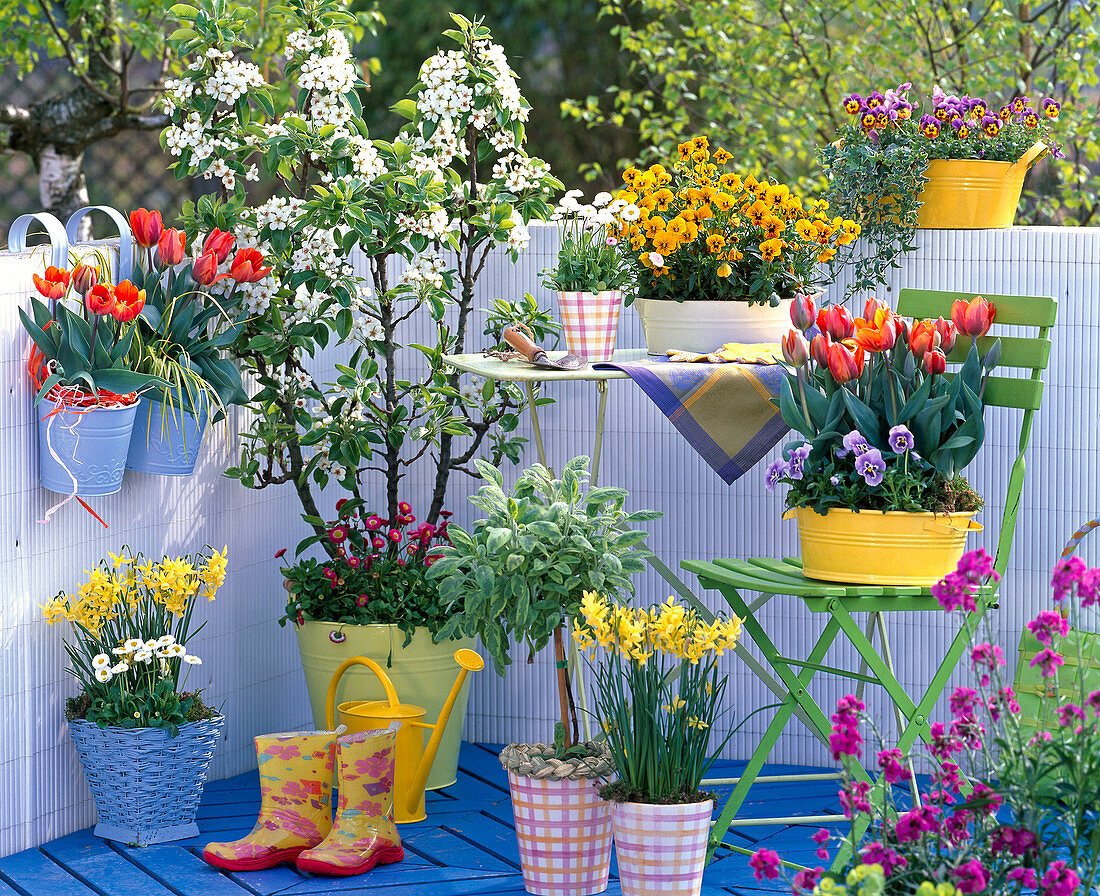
{"x": 338, "y": 190}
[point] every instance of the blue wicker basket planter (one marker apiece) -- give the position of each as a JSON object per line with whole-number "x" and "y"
{"x": 146, "y": 784}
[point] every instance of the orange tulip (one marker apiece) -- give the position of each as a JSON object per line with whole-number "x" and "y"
{"x": 247, "y": 266}
{"x": 934, "y": 361}
{"x": 205, "y": 269}
{"x": 220, "y": 243}
{"x": 845, "y": 361}
{"x": 819, "y": 349}
{"x": 835, "y": 320}
{"x": 880, "y": 332}
{"x": 146, "y": 226}
{"x": 85, "y": 276}
{"x": 871, "y": 307}
{"x": 923, "y": 337}
{"x": 100, "y": 299}
{"x": 973, "y": 318}
{"x": 54, "y": 282}
{"x": 170, "y": 246}
{"x": 796, "y": 351}
{"x": 129, "y": 300}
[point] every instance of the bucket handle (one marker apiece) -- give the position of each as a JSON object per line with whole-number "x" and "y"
{"x": 330, "y": 697}
{"x": 1030, "y": 157}
{"x": 951, "y": 525}
{"x": 788, "y": 514}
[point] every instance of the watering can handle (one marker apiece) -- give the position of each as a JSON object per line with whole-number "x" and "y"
{"x": 468, "y": 661}
{"x": 330, "y": 697}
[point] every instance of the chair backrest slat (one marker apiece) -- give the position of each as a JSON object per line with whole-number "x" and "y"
{"x": 1016, "y": 351}
{"x": 1021, "y": 311}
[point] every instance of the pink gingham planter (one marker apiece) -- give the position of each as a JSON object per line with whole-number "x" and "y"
{"x": 661, "y": 849}
{"x": 564, "y": 834}
{"x": 590, "y": 321}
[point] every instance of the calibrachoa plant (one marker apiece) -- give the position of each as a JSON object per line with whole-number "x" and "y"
{"x": 883, "y": 428}
{"x": 700, "y": 232}
{"x": 588, "y": 257}
{"x": 402, "y": 202}
{"x": 132, "y": 621}
{"x": 658, "y": 694}
{"x": 377, "y": 576}
{"x": 1011, "y": 808}
{"x": 876, "y": 167}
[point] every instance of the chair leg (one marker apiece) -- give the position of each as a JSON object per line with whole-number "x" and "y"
{"x": 899, "y": 718}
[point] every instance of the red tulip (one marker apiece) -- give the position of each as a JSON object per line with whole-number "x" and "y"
{"x": 871, "y": 307}
{"x": 803, "y": 312}
{"x": 934, "y": 361}
{"x": 170, "y": 246}
{"x": 146, "y": 227}
{"x": 796, "y": 351}
{"x": 85, "y": 276}
{"x": 947, "y": 334}
{"x": 247, "y": 266}
{"x": 54, "y": 282}
{"x": 819, "y": 349}
{"x": 973, "y": 318}
{"x": 835, "y": 320}
{"x": 923, "y": 337}
{"x": 205, "y": 269}
{"x": 129, "y": 300}
{"x": 100, "y": 298}
{"x": 220, "y": 243}
{"x": 845, "y": 363}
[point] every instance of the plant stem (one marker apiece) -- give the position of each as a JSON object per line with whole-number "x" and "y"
{"x": 565, "y": 694}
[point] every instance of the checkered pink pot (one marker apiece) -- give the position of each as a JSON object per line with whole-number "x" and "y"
{"x": 564, "y": 833}
{"x": 590, "y": 321}
{"x": 661, "y": 849}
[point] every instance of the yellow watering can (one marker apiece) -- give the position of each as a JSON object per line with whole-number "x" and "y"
{"x": 412, "y": 761}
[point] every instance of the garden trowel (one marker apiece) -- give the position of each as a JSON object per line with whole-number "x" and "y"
{"x": 520, "y": 338}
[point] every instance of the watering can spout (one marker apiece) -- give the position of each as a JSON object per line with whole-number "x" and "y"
{"x": 468, "y": 661}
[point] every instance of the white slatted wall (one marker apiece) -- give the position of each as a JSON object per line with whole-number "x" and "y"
{"x": 251, "y": 664}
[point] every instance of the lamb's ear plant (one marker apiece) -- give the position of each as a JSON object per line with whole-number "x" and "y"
{"x": 521, "y": 572}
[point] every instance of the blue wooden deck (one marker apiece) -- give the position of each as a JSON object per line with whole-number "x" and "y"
{"x": 466, "y": 846}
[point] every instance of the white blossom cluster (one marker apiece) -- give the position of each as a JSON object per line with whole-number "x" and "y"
{"x": 318, "y": 250}
{"x": 518, "y": 235}
{"x": 278, "y": 213}
{"x": 366, "y": 163}
{"x": 256, "y": 297}
{"x": 435, "y": 224}
{"x": 504, "y": 82}
{"x": 426, "y": 273}
{"x": 519, "y": 172}
{"x": 176, "y": 92}
{"x": 327, "y": 71}
{"x": 306, "y": 306}
{"x": 231, "y": 78}
{"x": 601, "y": 213}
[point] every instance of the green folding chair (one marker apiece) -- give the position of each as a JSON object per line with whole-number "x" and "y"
{"x": 790, "y": 677}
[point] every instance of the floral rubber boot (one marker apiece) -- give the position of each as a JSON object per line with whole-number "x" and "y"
{"x": 295, "y": 802}
{"x": 364, "y": 833}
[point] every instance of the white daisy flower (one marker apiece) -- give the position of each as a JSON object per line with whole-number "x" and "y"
{"x": 601, "y": 199}
{"x": 166, "y": 640}
{"x": 656, "y": 259}
{"x": 101, "y": 661}
{"x": 133, "y": 644}
{"x": 120, "y": 668}
{"x": 143, "y": 656}
{"x": 103, "y": 674}
{"x": 630, "y": 212}
{"x": 192, "y": 660}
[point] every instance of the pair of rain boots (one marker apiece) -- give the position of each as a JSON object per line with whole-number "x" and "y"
{"x": 295, "y": 824}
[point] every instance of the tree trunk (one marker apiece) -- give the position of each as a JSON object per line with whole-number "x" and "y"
{"x": 62, "y": 188}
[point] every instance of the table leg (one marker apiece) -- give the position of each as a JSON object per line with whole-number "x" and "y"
{"x": 529, "y": 388}
{"x": 597, "y": 443}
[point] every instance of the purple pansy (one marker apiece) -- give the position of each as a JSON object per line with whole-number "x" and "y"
{"x": 798, "y": 461}
{"x": 871, "y": 466}
{"x": 854, "y": 443}
{"x": 775, "y": 472}
{"x": 900, "y": 439}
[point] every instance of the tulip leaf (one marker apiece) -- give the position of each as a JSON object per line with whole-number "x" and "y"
{"x": 792, "y": 413}
{"x": 865, "y": 419}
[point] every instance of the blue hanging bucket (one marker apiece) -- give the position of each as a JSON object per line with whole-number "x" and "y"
{"x": 82, "y": 451}
{"x": 166, "y": 439}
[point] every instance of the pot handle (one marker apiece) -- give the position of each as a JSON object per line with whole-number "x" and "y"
{"x": 950, "y": 525}
{"x": 788, "y": 514}
{"x": 1032, "y": 156}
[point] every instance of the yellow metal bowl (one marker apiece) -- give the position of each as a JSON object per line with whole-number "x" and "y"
{"x": 876, "y": 548}
{"x": 973, "y": 194}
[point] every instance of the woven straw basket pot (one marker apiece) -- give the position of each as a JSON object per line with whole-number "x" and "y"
{"x": 146, "y": 783}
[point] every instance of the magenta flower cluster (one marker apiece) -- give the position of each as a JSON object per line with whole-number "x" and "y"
{"x": 960, "y": 587}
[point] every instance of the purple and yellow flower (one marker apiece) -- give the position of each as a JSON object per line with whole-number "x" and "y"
{"x": 900, "y": 439}
{"x": 853, "y": 102}
{"x": 882, "y": 119}
{"x": 929, "y": 127}
{"x": 1020, "y": 104}
{"x": 991, "y": 125}
{"x": 798, "y": 461}
{"x": 1006, "y": 112}
{"x": 867, "y": 119}
{"x": 775, "y": 472}
{"x": 1051, "y": 108}
{"x": 854, "y": 443}
{"x": 875, "y": 100}
{"x": 871, "y": 466}
{"x": 1030, "y": 118}
{"x": 978, "y": 109}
